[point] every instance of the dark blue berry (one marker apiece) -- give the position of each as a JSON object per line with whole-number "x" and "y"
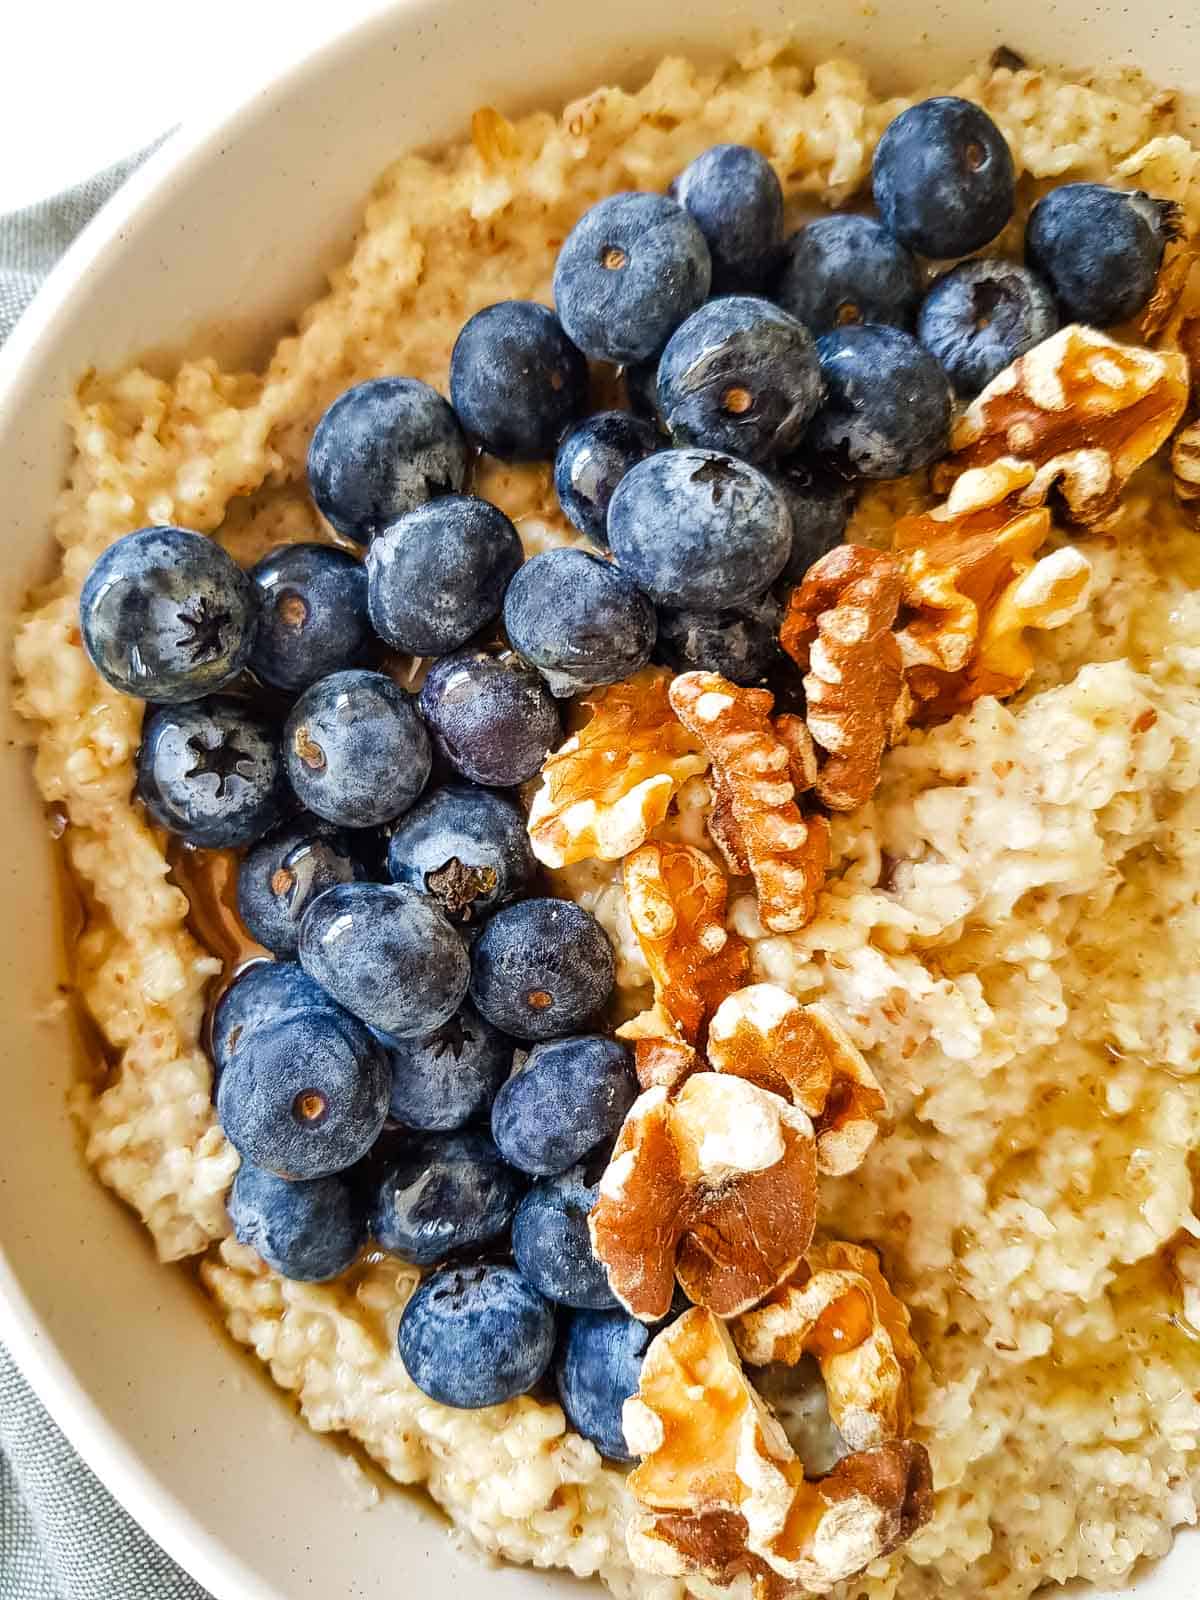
{"x": 167, "y": 615}
{"x": 631, "y": 269}
{"x": 541, "y": 968}
{"x": 740, "y": 375}
{"x": 1100, "y": 249}
{"x": 445, "y": 1079}
{"x": 439, "y": 574}
{"x": 442, "y": 1193}
{"x": 491, "y": 716}
{"x": 742, "y": 645}
{"x": 820, "y": 505}
{"x": 551, "y": 1243}
{"x": 382, "y": 448}
{"x": 280, "y": 877}
{"x": 357, "y": 752}
{"x": 847, "y": 268}
{"x": 579, "y": 620}
{"x": 308, "y": 1230}
{"x": 467, "y": 847}
{"x": 598, "y": 1369}
{"x": 889, "y": 403}
{"x": 476, "y": 1336}
{"x": 943, "y": 178}
{"x": 264, "y": 992}
{"x": 699, "y": 530}
{"x": 210, "y": 772}
{"x": 566, "y": 1097}
{"x": 387, "y": 954}
{"x": 516, "y": 380}
{"x": 982, "y": 315}
{"x": 312, "y": 614}
{"x": 305, "y": 1096}
{"x": 592, "y": 460}
{"x": 736, "y": 200}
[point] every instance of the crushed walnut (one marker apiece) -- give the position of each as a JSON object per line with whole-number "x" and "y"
{"x": 610, "y": 784}
{"x": 714, "y": 1186}
{"x": 676, "y": 897}
{"x": 1079, "y": 413}
{"x": 721, "y": 1492}
{"x": 838, "y": 631}
{"x": 764, "y": 1034}
{"x": 786, "y": 853}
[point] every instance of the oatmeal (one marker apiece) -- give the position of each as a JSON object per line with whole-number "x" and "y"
{"x": 1003, "y": 944}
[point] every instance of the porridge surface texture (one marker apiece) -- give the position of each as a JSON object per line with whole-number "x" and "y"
{"x": 1009, "y": 931}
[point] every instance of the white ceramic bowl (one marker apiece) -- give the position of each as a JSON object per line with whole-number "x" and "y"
{"x": 220, "y": 239}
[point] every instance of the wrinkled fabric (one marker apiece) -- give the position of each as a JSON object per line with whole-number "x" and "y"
{"x": 62, "y": 1535}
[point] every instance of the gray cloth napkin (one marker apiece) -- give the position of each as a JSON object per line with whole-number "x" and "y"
{"x": 62, "y": 1535}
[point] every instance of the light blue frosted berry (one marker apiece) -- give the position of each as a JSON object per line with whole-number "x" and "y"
{"x": 308, "y": 1230}
{"x": 563, "y": 1100}
{"x": 579, "y": 620}
{"x": 476, "y": 1336}
{"x": 357, "y": 752}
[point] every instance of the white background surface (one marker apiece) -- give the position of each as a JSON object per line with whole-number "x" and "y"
{"x": 84, "y": 81}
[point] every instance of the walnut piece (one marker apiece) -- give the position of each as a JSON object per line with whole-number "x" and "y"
{"x": 787, "y": 854}
{"x": 662, "y": 1063}
{"x": 838, "y": 630}
{"x": 611, "y": 783}
{"x": 1079, "y": 413}
{"x": 839, "y": 1308}
{"x": 1185, "y": 467}
{"x": 720, "y": 1489}
{"x": 972, "y": 586}
{"x": 802, "y": 1054}
{"x": 715, "y": 1187}
{"x": 676, "y": 896}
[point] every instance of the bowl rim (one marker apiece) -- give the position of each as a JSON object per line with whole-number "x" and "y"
{"x": 132, "y": 1484}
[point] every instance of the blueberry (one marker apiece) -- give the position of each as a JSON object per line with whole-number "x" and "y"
{"x": 889, "y": 403}
{"x": 491, "y": 716}
{"x": 313, "y": 614}
{"x": 541, "y": 968}
{"x": 306, "y": 1095}
{"x": 476, "y": 1336}
{"x": 309, "y": 1230}
{"x": 736, "y": 200}
{"x": 592, "y": 460}
{"x": 740, "y": 375}
{"x": 641, "y": 391}
{"x": 698, "y": 530}
{"x": 943, "y": 178}
{"x": 599, "y": 1367}
{"x": 631, "y": 269}
{"x": 820, "y": 505}
{"x": 566, "y": 1097}
{"x": 1100, "y": 249}
{"x": 280, "y": 877}
{"x": 742, "y": 644}
{"x": 467, "y": 847}
{"x": 847, "y": 268}
{"x": 445, "y": 1079}
{"x": 382, "y": 448}
{"x": 579, "y": 620}
{"x": 980, "y": 316}
{"x": 516, "y": 380}
{"x": 387, "y": 954}
{"x": 439, "y": 574}
{"x": 357, "y": 752}
{"x": 166, "y": 615}
{"x": 551, "y": 1243}
{"x": 210, "y": 772}
{"x": 442, "y": 1193}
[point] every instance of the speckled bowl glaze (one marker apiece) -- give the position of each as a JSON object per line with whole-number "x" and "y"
{"x": 186, "y": 1432}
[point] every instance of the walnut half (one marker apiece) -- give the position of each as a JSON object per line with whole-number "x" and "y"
{"x": 720, "y": 1490}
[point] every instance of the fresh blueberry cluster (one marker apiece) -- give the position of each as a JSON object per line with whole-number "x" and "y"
{"x": 424, "y": 1061}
